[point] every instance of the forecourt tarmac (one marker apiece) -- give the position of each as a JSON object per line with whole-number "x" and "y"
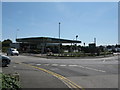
{"x": 65, "y": 73}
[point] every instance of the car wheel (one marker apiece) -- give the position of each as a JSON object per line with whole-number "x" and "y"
{"x": 4, "y": 63}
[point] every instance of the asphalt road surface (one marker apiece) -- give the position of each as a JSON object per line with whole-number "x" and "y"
{"x": 64, "y": 73}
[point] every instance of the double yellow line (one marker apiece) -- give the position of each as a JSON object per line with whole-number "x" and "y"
{"x": 68, "y": 82}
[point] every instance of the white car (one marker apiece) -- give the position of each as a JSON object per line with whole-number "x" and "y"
{"x": 12, "y": 51}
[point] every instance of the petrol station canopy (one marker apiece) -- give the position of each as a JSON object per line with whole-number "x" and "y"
{"x": 45, "y": 40}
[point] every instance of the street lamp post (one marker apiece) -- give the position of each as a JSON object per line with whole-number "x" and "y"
{"x": 95, "y": 41}
{"x": 76, "y": 43}
{"x": 59, "y": 30}
{"x": 84, "y": 48}
{"x": 17, "y": 33}
{"x": 16, "y": 37}
{"x": 76, "y": 37}
{"x": 59, "y": 38}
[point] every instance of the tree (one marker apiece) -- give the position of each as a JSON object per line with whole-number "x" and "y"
{"x": 109, "y": 46}
{"x": 6, "y": 43}
{"x": 101, "y": 48}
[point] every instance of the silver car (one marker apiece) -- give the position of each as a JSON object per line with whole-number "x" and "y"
{"x": 5, "y": 60}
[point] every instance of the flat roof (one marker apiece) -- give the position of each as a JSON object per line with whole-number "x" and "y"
{"x": 46, "y": 40}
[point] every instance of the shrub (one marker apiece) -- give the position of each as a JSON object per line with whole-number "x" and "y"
{"x": 9, "y": 82}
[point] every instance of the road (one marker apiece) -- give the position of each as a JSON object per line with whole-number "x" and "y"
{"x": 86, "y": 73}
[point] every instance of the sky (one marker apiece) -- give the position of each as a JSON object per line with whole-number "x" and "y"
{"x": 88, "y": 20}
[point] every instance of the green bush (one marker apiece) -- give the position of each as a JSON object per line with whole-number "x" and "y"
{"x": 9, "y": 82}
{"x": 4, "y": 49}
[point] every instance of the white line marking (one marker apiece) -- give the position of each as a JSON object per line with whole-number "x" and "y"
{"x": 95, "y": 69}
{"x": 73, "y": 65}
{"x": 104, "y": 60}
{"x": 81, "y": 66}
{"x": 92, "y": 69}
{"x": 54, "y": 65}
{"x": 38, "y": 64}
{"x": 101, "y": 71}
{"x": 62, "y": 65}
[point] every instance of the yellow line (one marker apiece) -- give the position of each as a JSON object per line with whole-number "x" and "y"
{"x": 64, "y": 79}
{"x": 68, "y": 81}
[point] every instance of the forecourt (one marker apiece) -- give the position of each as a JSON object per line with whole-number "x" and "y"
{"x": 64, "y": 73}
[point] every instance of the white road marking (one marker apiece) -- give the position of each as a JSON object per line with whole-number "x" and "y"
{"x": 104, "y": 60}
{"x": 38, "y": 64}
{"x": 95, "y": 69}
{"x": 101, "y": 71}
{"x": 14, "y": 66}
{"x": 54, "y": 65}
{"x": 73, "y": 65}
{"x": 92, "y": 69}
{"x": 62, "y": 65}
{"x": 81, "y": 66}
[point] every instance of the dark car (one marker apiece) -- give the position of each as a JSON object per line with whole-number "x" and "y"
{"x": 5, "y": 60}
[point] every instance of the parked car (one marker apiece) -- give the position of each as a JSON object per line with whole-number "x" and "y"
{"x": 12, "y": 51}
{"x": 5, "y": 60}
